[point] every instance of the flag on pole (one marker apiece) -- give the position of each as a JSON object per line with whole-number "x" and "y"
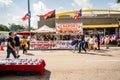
{"x": 76, "y": 16}
{"x": 49, "y": 14}
{"x": 26, "y": 16}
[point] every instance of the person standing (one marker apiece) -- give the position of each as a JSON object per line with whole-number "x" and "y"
{"x": 17, "y": 44}
{"x": 11, "y": 46}
{"x": 106, "y": 42}
{"x": 76, "y": 44}
{"x": 98, "y": 37}
{"x": 81, "y": 44}
{"x": 96, "y": 42}
{"x": 24, "y": 44}
{"x": 91, "y": 42}
{"x": 87, "y": 41}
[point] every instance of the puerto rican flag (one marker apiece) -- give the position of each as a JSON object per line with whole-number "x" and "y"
{"x": 76, "y": 16}
{"x": 26, "y": 16}
{"x": 101, "y": 40}
{"x": 114, "y": 37}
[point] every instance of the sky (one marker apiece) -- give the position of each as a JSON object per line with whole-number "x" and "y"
{"x": 11, "y": 11}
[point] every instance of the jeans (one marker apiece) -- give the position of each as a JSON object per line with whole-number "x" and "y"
{"x": 75, "y": 47}
{"x": 24, "y": 48}
{"x": 11, "y": 51}
{"x": 81, "y": 46}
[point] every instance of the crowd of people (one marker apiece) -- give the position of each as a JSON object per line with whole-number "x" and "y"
{"x": 85, "y": 42}
{"x": 91, "y": 42}
{"x": 46, "y": 37}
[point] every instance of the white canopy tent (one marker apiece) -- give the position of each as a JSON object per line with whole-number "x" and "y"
{"x": 44, "y": 28}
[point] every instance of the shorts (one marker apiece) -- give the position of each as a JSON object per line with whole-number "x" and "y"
{"x": 17, "y": 48}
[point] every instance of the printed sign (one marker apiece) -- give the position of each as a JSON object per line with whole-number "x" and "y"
{"x": 69, "y": 28}
{"x": 64, "y": 44}
{"x": 50, "y": 45}
{"x": 40, "y": 45}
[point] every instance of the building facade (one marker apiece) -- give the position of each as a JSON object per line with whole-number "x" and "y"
{"x": 100, "y": 23}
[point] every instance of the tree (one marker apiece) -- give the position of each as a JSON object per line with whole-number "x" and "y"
{"x": 118, "y": 1}
{"x": 26, "y": 28}
{"x": 14, "y": 27}
{"x": 3, "y": 28}
{"x": 19, "y": 28}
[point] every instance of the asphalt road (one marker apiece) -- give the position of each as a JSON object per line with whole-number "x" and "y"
{"x": 66, "y": 65}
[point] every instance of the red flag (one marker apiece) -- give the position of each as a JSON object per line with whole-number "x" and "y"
{"x": 49, "y": 14}
{"x": 26, "y": 16}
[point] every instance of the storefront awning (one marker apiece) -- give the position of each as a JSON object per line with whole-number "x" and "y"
{"x": 101, "y": 26}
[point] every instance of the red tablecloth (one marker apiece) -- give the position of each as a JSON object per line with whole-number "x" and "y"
{"x": 20, "y": 67}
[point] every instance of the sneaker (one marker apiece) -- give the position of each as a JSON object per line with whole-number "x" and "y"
{"x": 18, "y": 56}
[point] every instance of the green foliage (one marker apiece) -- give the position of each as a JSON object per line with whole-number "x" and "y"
{"x": 118, "y": 1}
{"x": 14, "y": 27}
{"x": 31, "y": 28}
{"x": 3, "y": 28}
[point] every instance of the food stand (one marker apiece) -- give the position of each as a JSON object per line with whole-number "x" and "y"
{"x": 66, "y": 32}
{"x": 59, "y": 38}
{"x": 42, "y": 39}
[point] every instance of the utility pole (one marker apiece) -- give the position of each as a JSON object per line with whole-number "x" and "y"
{"x": 29, "y": 21}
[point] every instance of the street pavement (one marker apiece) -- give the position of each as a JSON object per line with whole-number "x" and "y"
{"x": 102, "y": 64}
